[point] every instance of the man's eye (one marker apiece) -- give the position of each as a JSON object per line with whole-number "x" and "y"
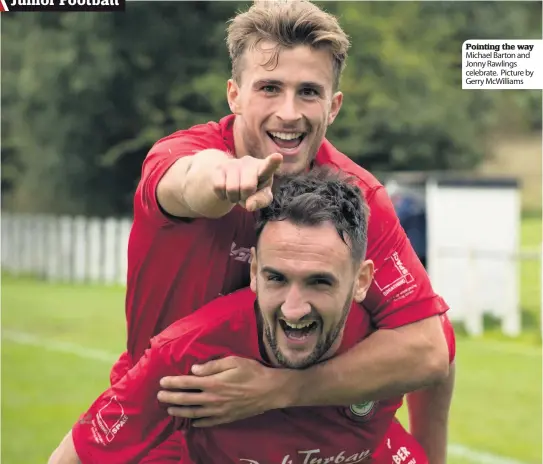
{"x": 324, "y": 282}
{"x": 307, "y": 92}
{"x": 275, "y": 278}
{"x": 270, "y": 89}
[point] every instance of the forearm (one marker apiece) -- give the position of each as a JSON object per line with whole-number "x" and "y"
{"x": 186, "y": 190}
{"x": 65, "y": 453}
{"x": 386, "y": 364}
{"x": 429, "y": 416}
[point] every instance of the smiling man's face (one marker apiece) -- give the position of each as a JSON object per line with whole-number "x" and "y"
{"x": 285, "y": 108}
{"x": 305, "y": 280}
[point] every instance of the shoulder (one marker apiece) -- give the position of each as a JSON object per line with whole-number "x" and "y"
{"x": 218, "y": 135}
{"x": 201, "y": 136}
{"x": 375, "y": 194}
{"x": 328, "y": 155}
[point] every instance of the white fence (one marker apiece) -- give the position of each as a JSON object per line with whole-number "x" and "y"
{"x": 67, "y": 249}
{"x": 92, "y": 250}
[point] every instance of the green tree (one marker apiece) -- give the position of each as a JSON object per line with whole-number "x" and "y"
{"x": 94, "y": 92}
{"x": 85, "y": 96}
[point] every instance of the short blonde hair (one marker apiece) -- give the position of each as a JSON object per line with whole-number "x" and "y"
{"x": 288, "y": 24}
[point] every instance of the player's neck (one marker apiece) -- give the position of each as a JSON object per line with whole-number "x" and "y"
{"x": 239, "y": 145}
{"x": 264, "y": 353}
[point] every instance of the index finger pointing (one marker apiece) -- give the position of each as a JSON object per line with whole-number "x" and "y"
{"x": 272, "y": 164}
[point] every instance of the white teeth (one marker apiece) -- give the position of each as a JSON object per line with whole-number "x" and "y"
{"x": 298, "y": 326}
{"x": 287, "y": 135}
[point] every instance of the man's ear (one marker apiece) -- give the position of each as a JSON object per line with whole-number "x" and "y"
{"x": 365, "y": 278}
{"x": 232, "y": 96}
{"x": 254, "y": 268}
{"x": 337, "y": 101}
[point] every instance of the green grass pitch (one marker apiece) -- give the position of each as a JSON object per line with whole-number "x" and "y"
{"x": 495, "y": 418}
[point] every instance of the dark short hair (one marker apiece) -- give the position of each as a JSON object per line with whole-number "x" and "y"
{"x": 318, "y": 196}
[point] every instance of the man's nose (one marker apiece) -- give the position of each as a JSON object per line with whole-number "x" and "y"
{"x": 288, "y": 110}
{"x": 295, "y": 306}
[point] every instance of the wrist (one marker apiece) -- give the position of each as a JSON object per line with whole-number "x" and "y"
{"x": 287, "y": 385}
{"x": 200, "y": 194}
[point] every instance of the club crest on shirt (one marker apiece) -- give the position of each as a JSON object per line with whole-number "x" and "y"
{"x": 363, "y": 411}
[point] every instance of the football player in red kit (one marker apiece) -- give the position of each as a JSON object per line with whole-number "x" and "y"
{"x": 307, "y": 271}
{"x": 193, "y": 231}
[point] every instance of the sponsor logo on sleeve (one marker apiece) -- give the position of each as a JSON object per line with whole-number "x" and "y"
{"x": 108, "y": 421}
{"x": 393, "y": 276}
{"x": 402, "y": 456}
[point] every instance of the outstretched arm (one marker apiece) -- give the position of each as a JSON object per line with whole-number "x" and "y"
{"x": 210, "y": 183}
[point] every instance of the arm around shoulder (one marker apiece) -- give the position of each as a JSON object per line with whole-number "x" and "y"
{"x": 388, "y": 363}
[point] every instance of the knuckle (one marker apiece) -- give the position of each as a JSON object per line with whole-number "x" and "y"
{"x": 215, "y": 385}
{"x": 217, "y": 180}
{"x": 187, "y": 413}
{"x": 220, "y": 171}
{"x": 170, "y": 398}
{"x": 230, "y": 172}
{"x": 214, "y": 400}
{"x": 212, "y": 384}
{"x": 174, "y": 398}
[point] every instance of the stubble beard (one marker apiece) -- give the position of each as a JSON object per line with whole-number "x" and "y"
{"x": 322, "y": 347}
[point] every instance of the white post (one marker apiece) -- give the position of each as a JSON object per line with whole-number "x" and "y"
{"x": 432, "y": 250}
{"x": 473, "y": 316}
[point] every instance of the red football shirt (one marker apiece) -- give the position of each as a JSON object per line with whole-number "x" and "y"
{"x": 176, "y": 266}
{"x": 126, "y": 421}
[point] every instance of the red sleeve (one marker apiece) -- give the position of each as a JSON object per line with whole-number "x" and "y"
{"x": 448, "y": 330}
{"x": 161, "y": 157}
{"x": 401, "y": 292}
{"x": 127, "y": 420}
